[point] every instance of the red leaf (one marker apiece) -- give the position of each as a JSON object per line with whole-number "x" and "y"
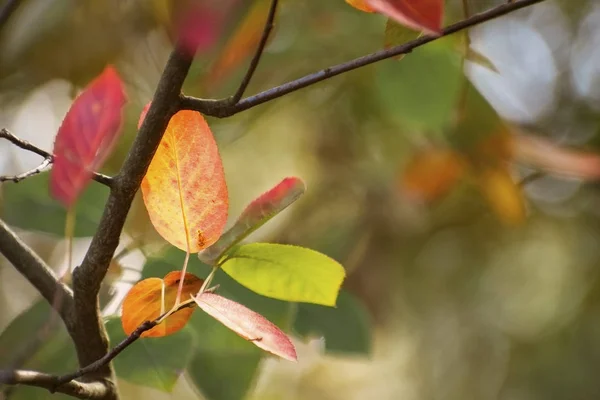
{"x": 248, "y": 324}
{"x": 423, "y": 15}
{"x": 87, "y": 135}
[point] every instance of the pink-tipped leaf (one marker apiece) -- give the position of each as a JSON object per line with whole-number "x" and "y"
{"x": 248, "y": 324}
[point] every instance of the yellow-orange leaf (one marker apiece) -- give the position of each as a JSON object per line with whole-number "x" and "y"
{"x": 184, "y": 189}
{"x": 147, "y": 300}
{"x": 503, "y": 195}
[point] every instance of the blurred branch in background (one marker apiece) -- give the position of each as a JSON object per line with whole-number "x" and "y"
{"x": 48, "y": 159}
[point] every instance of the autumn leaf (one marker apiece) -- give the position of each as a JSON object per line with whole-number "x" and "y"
{"x": 557, "y": 160}
{"x": 259, "y": 212}
{"x": 503, "y": 195}
{"x": 242, "y": 44}
{"x": 432, "y": 173}
{"x": 286, "y": 272}
{"x": 248, "y": 324}
{"x": 150, "y": 298}
{"x": 87, "y": 135}
{"x": 361, "y": 5}
{"x": 421, "y": 15}
{"x": 184, "y": 189}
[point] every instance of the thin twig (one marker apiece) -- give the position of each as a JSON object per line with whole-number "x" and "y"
{"x": 37, "y": 170}
{"x": 48, "y": 159}
{"x": 257, "y": 55}
{"x": 223, "y": 108}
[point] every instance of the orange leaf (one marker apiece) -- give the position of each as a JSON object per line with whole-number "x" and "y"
{"x": 432, "y": 173}
{"x": 242, "y": 44}
{"x": 248, "y": 324}
{"x": 144, "y": 302}
{"x": 423, "y": 15}
{"x": 87, "y": 135}
{"x": 184, "y": 188}
{"x": 361, "y": 5}
{"x": 503, "y": 194}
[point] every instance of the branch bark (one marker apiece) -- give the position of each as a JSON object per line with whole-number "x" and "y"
{"x": 38, "y": 273}
{"x": 222, "y": 108}
{"x": 96, "y": 390}
{"x": 90, "y": 337}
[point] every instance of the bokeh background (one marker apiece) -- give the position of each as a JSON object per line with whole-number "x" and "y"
{"x": 464, "y": 281}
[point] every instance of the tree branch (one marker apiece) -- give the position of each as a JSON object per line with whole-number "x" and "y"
{"x": 96, "y": 390}
{"x": 48, "y": 159}
{"x": 258, "y": 54}
{"x": 90, "y": 338}
{"x": 32, "y": 267}
{"x": 222, "y": 108}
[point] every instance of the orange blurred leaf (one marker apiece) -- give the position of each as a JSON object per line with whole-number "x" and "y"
{"x": 432, "y": 173}
{"x": 184, "y": 189}
{"x": 248, "y": 324}
{"x": 422, "y": 15}
{"x": 149, "y": 298}
{"x": 555, "y": 159}
{"x": 242, "y": 44}
{"x": 503, "y": 194}
{"x": 87, "y": 135}
{"x": 361, "y": 5}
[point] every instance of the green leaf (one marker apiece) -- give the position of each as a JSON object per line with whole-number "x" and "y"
{"x": 32, "y": 342}
{"x": 152, "y": 362}
{"x": 397, "y": 34}
{"x": 258, "y": 213}
{"x": 224, "y": 365}
{"x": 421, "y": 91}
{"x": 286, "y": 272}
{"x": 346, "y": 328}
{"x": 28, "y": 205}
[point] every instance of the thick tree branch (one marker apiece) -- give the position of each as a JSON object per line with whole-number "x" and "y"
{"x": 32, "y": 267}
{"x": 97, "y": 390}
{"x": 48, "y": 159}
{"x": 90, "y": 335}
{"x": 222, "y": 108}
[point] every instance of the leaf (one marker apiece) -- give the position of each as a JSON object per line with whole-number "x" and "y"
{"x": 146, "y": 302}
{"x": 184, "y": 188}
{"x": 256, "y": 214}
{"x": 87, "y": 135}
{"x": 248, "y": 324}
{"x": 224, "y": 365}
{"x": 198, "y": 26}
{"x": 503, "y": 194}
{"x": 286, "y": 272}
{"x": 397, "y": 34}
{"x": 153, "y": 362}
{"x": 555, "y": 159}
{"x": 361, "y": 5}
{"x": 29, "y": 206}
{"x": 431, "y": 173}
{"x": 422, "y": 15}
{"x": 346, "y": 328}
{"x": 242, "y": 44}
